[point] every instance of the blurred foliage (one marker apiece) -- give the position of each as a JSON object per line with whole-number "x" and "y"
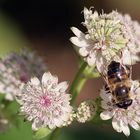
{"x": 17, "y": 129}
{"x": 11, "y": 38}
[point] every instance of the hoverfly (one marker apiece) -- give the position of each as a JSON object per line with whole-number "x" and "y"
{"x": 118, "y": 83}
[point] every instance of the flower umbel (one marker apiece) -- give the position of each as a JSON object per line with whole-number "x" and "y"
{"x": 72, "y": 117}
{"x": 45, "y": 103}
{"x": 17, "y": 69}
{"x": 122, "y": 118}
{"x": 109, "y": 36}
{"x": 86, "y": 111}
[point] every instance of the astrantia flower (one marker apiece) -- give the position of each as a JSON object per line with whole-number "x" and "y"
{"x": 122, "y": 118}
{"x": 109, "y": 36}
{"x": 86, "y": 111}
{"x": 45, "y": 103}
{"x": 17, "y": 69}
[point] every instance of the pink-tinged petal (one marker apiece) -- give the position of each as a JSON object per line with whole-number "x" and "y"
{"x": 80, "y": 42}
{"x": 116, "y": 125}
{"x": 125, "y": 128}
{"x": 91, "y": 59}
{"x": 106, "y": 115}
{"x": 61, "y": 87}
{"x": 137, "y": 118}
{"x": 137, "y": 91}
{"x": 46, "y": 77}
{"x": 77, "y": 32}
{"x": 35, "y": 81}
{"x": 128, "y": 58}
{"x": 100, "y": 63}
{"x": 134, "y": 125}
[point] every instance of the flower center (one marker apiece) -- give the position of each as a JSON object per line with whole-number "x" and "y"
{"x": 45, "y": 101}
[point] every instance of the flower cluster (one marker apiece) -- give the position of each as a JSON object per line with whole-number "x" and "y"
{"x": 45, "y": 103}
{"x": 122, "y": 118}
{"x": 17, "y": 69}
{"x": 86, "y": 111}
{"x": 109, "y": 36}
{"x": 72, "y": 117}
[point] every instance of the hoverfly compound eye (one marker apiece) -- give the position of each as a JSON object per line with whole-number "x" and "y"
{"x": 121, "y": 91}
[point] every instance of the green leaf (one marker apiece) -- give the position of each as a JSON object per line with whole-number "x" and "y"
{"x": 1, "y": 97}
{"x": 41, "y": 133}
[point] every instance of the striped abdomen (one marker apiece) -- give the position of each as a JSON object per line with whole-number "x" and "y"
{"x": 117, "y": 72}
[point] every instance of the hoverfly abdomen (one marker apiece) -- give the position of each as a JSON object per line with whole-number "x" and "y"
{"x": 116, "y": 72}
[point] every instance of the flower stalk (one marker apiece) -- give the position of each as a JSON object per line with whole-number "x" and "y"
{"x": 78, "y": 82}
{"x": 54, "y": 134}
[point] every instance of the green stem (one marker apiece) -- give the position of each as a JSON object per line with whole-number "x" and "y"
{"x": 55, "y": 134}
{"x": 78, "y": 83}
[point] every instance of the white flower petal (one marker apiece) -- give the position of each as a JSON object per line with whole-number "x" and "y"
{"x": 134, "y": 125}
{"x": 125, "y": 128}
{"x": 61, "y": 87}
{"x": 106, "y": 115}
{"x": 46, "y": 77}
{"x": 87, "y": 13}
{"x": 35, "y": 81}
{"x": 137, "y": 118}
{"x": 80, "y": 42}
{"x": 83, "y": 52}
{"x": 116, "y": 125}
{"x": 91, "y": 59}
{"x": 100, "y": 64}
{"x": 77, "y": 32}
